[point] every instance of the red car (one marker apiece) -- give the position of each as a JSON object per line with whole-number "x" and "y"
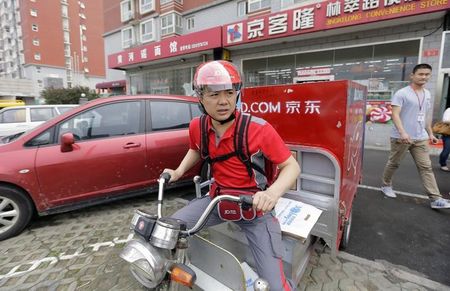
{"x": 107, "y": 149}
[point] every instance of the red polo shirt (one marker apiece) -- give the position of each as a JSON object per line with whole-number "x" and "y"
{"x": 232, "y": 173}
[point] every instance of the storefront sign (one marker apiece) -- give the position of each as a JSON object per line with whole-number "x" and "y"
{"x": 431, "y": 53}
{"x": 174, "y": 46}
{"x": 314, "y": 72}
{"x": 324, "y": 15}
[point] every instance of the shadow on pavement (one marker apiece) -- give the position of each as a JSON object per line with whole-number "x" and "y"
{"x": 403, "y": 231}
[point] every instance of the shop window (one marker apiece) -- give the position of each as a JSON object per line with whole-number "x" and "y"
{"x": 383, "y": 68}
{"x": 281, "y": 70}
{"x": 34, "y": 27}
{"x": 146, "y": 6}
{"x": 241, "y": 8}
{"x": 254, "y": 5}
{"x": 446, "y": 50}
{"x": 171, "y": 23}
{"x": 190, "y": 23}
{"x": 126, "y": 10}
{"x": 147, "y": 31}
{"x": 127, "y": 37}
{"x": 255, "y": 72}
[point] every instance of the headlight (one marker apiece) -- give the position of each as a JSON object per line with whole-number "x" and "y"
{"x": 146, "y": 264}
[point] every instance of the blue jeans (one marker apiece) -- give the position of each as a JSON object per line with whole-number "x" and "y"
{"x": 445, "y": 151}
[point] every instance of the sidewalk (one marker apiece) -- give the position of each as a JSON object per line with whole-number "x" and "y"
{"x": 79, "y": 251}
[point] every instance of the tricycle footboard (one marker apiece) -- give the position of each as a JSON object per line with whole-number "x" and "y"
{"x": 295, "y": 259}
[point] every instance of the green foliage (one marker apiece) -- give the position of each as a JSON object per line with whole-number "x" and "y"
{"x": 67, "y": 95}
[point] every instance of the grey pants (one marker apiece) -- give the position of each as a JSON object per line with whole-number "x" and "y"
{"x": 263, "y": 235}
{"x": 420, "y": 152}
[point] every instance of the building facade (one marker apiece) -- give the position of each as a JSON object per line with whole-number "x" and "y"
{"x": 52, "y": 43}
{"x": 374, "y": 42}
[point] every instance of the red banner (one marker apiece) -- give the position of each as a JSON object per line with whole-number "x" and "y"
{"x": 323, "y": 16}
{"x": 170, "y": 47}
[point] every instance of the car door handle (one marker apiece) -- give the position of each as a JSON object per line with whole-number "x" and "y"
{"x": 131, "y": 145}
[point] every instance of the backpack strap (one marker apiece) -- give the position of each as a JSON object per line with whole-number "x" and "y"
{"x": 241, "y": 148}
{"x": 241, "y": 144}
{"x": 204, "y": 142}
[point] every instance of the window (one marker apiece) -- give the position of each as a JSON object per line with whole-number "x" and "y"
{"x": 147, "y": 33}
{"x": 41, "y": 114}
{"x": 254, "y": 5}
{"x": 242, "y": 8}
{"x": 34, "y": 27}
{"x": 169, "y": 115}
{"x": 169, "y": 1}
{"x": 13, "y": 116}
{"x": 195, "y": 110}
{"x": 37, "y": 56}
{"x": 171, "y": 23}
{"x": 82, "y": 4}
{"x": 146, "y": 6}
{"x": 42, "y": 139}
{"x": 66, "y": 37}
{"x": 127, "y": 37}
{"x": 63, "y": 110}
{"x": 190, "y": 23}
{"x": 82, "y": 15}
{"x": 85, "y": 48}
{"x": 36, "y": 42}
{"x": 33, "y": 12}
{"x": 64, "y": 10}
{"x": 65, "y": 23}
{"x": 126, "y": 10}
{"x": 117, "y": 119}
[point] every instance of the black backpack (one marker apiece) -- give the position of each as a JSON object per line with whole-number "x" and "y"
{"x": 241, "y": 149}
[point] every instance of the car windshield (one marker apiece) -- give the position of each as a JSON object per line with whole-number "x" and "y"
{"x": 10, "y": 138}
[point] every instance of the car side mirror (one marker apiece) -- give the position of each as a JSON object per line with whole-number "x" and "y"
{"x": 67, "y": 140}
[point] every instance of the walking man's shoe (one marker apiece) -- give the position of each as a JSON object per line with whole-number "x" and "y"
{"x": 388, "y": 192}
{"x": 440, "y": 203}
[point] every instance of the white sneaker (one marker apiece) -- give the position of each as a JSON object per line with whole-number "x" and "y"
{"x": 440, "y": 203}
{"x": 388, "y": 192}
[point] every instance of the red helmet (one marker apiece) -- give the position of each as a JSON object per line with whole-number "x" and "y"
{"x": 216, "y": 76}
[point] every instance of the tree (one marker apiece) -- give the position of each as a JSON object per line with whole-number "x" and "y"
{"x": 67, "y": 95}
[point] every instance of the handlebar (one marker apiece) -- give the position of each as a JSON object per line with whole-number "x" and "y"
{"x": 163, "y": 180}
{"x": 245, "y": 200}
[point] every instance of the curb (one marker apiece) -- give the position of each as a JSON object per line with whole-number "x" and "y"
{"x": 395, "y": 271}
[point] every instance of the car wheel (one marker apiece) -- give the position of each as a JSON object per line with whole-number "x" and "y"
{"x": 16, "y": 210}
{"x": 346, "y": 233}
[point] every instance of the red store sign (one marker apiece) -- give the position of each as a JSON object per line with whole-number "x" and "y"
{"x": 174, "y": 46}
{"x": 324, "y": 15}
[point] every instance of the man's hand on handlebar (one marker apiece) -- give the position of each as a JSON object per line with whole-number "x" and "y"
{"x": 174, "y": 176}
{"x": 264, "y": 200}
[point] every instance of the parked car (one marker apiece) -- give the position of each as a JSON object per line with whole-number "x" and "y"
{"x": 107, "y": 149}
{"x": 22, "y": 118}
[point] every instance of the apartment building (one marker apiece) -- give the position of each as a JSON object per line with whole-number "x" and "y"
{"x": 52, "y": 43}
